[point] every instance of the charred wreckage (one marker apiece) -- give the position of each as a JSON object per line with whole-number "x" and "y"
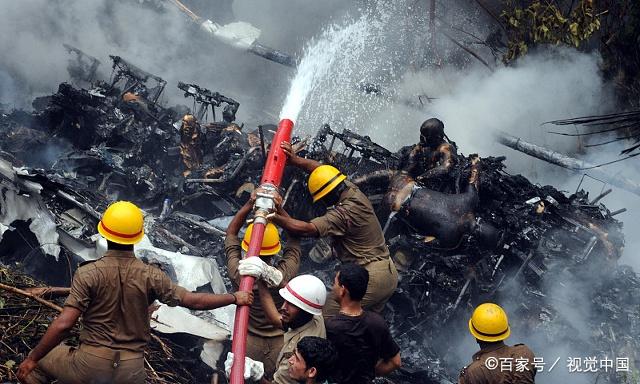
{"x": 469, "y": 234}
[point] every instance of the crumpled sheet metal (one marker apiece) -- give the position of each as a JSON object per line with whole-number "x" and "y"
{"x": 211, "y": 353}
{"x": 27, "y": 207}
{"x": 168, "y": 319}
{"x": 191, "y": 271}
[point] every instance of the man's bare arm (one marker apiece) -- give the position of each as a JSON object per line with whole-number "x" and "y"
{"x": 295, "y": 227}
{"x": 206, "y": 301}
{"x": 385, "y": 367}
{"x": 269, "y": 306}
{"x": 54, "y": 335}
{"x": 238, "y": 220}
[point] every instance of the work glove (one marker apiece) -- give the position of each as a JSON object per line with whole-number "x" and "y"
{"x": 253, "y": 370}
{"x": 254, "y": 266}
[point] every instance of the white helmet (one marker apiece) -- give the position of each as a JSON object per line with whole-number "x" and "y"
{"x": 306, "y": 292}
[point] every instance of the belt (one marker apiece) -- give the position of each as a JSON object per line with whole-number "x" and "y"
{"x": 115, "y": 355}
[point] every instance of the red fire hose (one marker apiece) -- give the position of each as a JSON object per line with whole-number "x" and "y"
{"x": 271, "y": 178}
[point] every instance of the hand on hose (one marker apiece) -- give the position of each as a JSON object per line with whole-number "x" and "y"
{"x": 243, "y": 298}
{"x": 289, "y": 151}
{"x": 277, "y": 201}
{"x": 253, "y": 197}
{"x": 254, "y": 266}
{"x": 253, "y": 370}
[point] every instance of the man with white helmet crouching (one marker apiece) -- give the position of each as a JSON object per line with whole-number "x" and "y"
{"x": 300, "y": 316}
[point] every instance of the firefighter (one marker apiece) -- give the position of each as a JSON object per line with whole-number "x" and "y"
{"x": 431, "y": 160}
{"x": 362, "y": 338}
{"x": 112, "y": 294}
{"x": 300, "y": 315}
{"x": 264, "y": 341}
{"x": 191, "y": 139}
{"x": 490, "y": 326}
{"x": 352, "y": 223}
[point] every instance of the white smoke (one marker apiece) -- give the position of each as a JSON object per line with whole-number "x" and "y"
{"x": 474, "y": 103}
{"x": 547, "y": 85}
{"x": 286, "y": 23}
{"x": 544, "y": 86}
{"x": 158, "y": 38}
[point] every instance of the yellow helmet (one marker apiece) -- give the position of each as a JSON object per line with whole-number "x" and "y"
{"x": 122, "y": 223}
{"x": 270, "y": 241}
{"x": 489, "y": 323}
{"x": 323, "y": 180}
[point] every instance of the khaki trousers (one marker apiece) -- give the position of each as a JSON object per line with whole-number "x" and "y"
{"x": 383, "y": 281}
{"x": 266, "y": 350}
{"x": 69, "y": 365}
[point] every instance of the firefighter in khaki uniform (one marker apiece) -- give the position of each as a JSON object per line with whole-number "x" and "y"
{"x": 112, "y": 294}
{"x": 490, "y": 326}
{"x": 264, "y": 341}
{"x": 353, "y": 225}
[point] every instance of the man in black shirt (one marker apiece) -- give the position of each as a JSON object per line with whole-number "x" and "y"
{"x": 362, "y": 338}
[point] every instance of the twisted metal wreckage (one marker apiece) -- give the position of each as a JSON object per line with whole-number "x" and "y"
{"x": 490, "y": 236}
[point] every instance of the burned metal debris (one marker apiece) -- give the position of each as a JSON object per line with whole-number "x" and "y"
{"x": 492, "y": 236}
{"x": 83, "y": 67}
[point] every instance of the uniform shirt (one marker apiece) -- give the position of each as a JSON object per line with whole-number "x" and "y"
{"x": 315, "y": 327}
{"x": 114, "y": 293}
{"x": 357, "y": 235}
{"x": 288, "y": 265}
{"x": 360, "y": 342}
{"x": 478, "y": 373}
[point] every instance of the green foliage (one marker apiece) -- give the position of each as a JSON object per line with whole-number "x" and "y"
{"x": 542, "y": 22}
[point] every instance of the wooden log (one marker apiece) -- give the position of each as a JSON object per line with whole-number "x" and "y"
{"x": 31, "y": 296}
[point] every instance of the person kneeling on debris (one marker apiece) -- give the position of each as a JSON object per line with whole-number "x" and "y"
{"x": 264, "y": 341}
{"x": 353, "y": 225}
{"x": 112, "y": 295}
{"x": 432, "y": 159}
{"x": 490, "y": 326}
{"x": 362, "y": 338}
{"x": 300, "y": 316}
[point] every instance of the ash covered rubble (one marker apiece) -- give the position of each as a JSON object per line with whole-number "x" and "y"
{"x": 531, "y": 247}
{"x": 477, "y": 234}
